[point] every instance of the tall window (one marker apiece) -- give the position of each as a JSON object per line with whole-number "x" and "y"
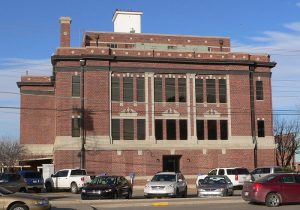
{"x": 182, "y": 89}
{"x": 158, "y": 89}
{"x": 128, "y": 89}
{"x": 222, "y": 91}
{"x": 140, "y": 85}
{"x": 183, "y": 129}
{"x": 212, "y": 129}
{"x": 259, "y": 90}
{"x": 128, "y": 129}
{"x": 200, "y": 129}
{"x": 261, "y": 128}
{"x": 224, "y": 129}
{"x": 115, "y": 89}
{"x": 141, "y": 129}
{"x": 158, "y": 129}
{"x": 211, "y": 90}
{"x": 170, "y": 89}
{"x": 115, "y": 129}
{"x": 199, "y": 90}
{"x": 75, "y": 127}
{"x": 76, "y": 86}
{"x": 171, "y": 129}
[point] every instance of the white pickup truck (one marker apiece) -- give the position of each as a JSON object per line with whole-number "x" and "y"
{"x": 73, "y": 179}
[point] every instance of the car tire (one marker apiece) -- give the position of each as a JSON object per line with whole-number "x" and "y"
{"x": 225, "y": 193}
{"x": 177, "y": 193}
{"x": 273, "y": 200}
{"x": 23, "y": 190}
{"x": 129, "y": 196}
{"x": 115, "y": 195}
{"x": 37, "y": 190}
{"x": 83, "y": 197}
{"x": 74, "y": 188}
{"x": 18, "y": 206}
{"x": 48, "y": 187}
{"x": 184, "y": 194}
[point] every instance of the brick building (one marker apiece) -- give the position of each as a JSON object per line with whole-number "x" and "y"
{"x": 149, "y": 102}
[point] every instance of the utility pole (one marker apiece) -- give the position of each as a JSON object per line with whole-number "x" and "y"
{"x": 253, "y": 122}
{"x": 82, "y": 126}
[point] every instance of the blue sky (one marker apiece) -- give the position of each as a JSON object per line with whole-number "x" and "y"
{"x": 30, "y": 34}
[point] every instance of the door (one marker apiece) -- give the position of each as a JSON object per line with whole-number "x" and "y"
{"x": 60, "y": 179}
{"x": 289, "y": 188}
{"x": 171, "y": 163}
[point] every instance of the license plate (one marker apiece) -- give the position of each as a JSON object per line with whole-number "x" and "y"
{"x": 34, "y": 181}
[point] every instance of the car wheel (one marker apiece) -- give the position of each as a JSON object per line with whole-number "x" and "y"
{"x": 37, "y": 190}
{"x": 115, "y": 195}
{"x": 177, "y": 193}
{"x": 23, "y": 190}
{"x": 48, "y": 187}
{"x": 83, "y": 197}
{"x": 18, "y": 206}
{"x": 184, "y": 194}
{"x": 273, "y": 200}
{"x": 129, "y": 196}
{"x": 225, "y": 193}
{"x": 74, "y": 188}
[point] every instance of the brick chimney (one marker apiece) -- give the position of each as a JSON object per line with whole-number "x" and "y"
{"x": 65, "y": 23}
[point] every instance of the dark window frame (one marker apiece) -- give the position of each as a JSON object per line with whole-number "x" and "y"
{"x": 261, "y": 128}
{"x": 224, "y": 129}
{"x": 76, "y": 86}
{"x": 141, "y": 129}
{"x": 115, "y": 129}
{"x": 259, "y": 90}
{"x": 128, "y": 129}
{"x": 200, "y": 131}
{"x": 158, "y": 90}
{"x": 128, "y": 89}
{"x": 222, "y": 91}
{"x": 212, "y": 130}
{"x": 170, "y": 90}
{"x": 115, "y": 89}
{"x": 182, "y": 89}
{"x": 183, "y": 129}
{"x": 171, "y": 129}
{"x": 75, "y": 129}
{"x": 199, "y": 90}
{"x": 159, "y": 129}
{"x": 140, "y": 89}
{"x": 211, "y": 91}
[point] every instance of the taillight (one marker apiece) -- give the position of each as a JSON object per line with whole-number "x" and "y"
{"x": 236, "y": 177}
{"x": 82, "y": 179}
{"x": 256, "y": 186}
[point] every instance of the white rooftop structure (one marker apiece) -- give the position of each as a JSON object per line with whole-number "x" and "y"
{"x": 127, "y": 21}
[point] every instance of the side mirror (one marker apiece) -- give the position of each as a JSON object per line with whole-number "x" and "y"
{"x": 180, "y": 180}
{"x": 52, "y": 175}
{"x": 200, "y": 181}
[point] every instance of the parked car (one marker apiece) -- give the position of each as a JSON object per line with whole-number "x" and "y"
{"x": 237, "y": 175}
{"x": 215, "y": 185}
{"x": 33, "y": 179}
{"x": 107, "y": 187}
{"x": 166, "y": 184}
{"x": 13, "y": 182}
{"x": 71, "y": 179}
{"x": 273, "y": 189}
{"x": 22, "y": 201}
{"x": 264, "y": 171}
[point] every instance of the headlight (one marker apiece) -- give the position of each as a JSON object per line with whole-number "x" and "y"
{"x": 83, "y": 190}
{"x": 201, "y": 190}
{"x": 147, "y": 187}
{"x": 42, "y": 202}
{"x": 219, "y": 189}
{"x": 108, "y": 190}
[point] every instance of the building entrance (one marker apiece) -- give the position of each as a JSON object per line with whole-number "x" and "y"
{"x": 171, "y": 163}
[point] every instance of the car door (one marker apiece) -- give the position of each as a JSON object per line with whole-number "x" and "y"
{"x": 288, "y": 188}
{"x": 123, "y": 186}
{"x": 59, "y": 178}
{"x": 297, "y": 183}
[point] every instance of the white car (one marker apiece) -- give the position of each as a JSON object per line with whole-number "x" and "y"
{"x": 237, "y": 175}
{"x": 166, "y": 184}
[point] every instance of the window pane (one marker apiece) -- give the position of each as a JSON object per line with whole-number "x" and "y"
{"x": 75, "y": 127}
{"x": 171, "y": 129}
{"x": 158, "y": 89}
{"x": 141, "y": 129}
{"x": 212, "y": 129}
{"x": 259, "y": 90}
{"x": 115, "y": 89}
{"x": 211, "y": 90}
{"x": 128, "y": 129}
{"x": 199, "y": 90}
{"x": 140, "y": 83}
{"x": 158, "y": 129}
{"x": 76, "y": 86}
{"x": 115, "y": 129}
{"x": 183, "y": 129}
{"x": 128, "y": 89}
{"x": 261, "y": 128}
{"x": 224, "y": 129}
{"x": 170, "y": 90}
{"x": 222, "y": 91}
{"x": 182, "y": 89}
{"x": 200, "y": 129}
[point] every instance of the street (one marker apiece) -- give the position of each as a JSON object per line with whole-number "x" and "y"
{"x": 68, "y": 201}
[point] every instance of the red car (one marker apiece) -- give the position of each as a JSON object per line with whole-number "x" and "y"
{"x": 273, "y": 189}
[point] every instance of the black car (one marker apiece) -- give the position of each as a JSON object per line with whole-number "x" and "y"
{"x": 107, "y": 187}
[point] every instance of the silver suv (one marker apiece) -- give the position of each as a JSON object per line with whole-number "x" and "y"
{"x": 264, "y": 171}
{"x": 166, "y": 184}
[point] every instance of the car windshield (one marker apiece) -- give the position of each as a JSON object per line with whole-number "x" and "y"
{"x": 4, "y": 191}
{"x": 31, "y": 175}
{"x": 266, "y": 178}
{"x": 104, "y": 180}
{"x": 214, "y": 180}
{"x": 164, "y": 178}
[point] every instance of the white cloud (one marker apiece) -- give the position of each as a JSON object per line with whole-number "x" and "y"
{"x": 284, "y": 48}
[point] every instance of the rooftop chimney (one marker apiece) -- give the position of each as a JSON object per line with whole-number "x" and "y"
{"x": 65, "y": 23}
{"x": 127, "y": 21}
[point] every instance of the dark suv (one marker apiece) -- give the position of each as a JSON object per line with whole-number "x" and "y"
{"x": 33, "y": 179}
{"x": 13, "y": 182}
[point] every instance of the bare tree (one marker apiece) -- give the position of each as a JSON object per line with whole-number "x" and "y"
{"x": 286, "y": 137}
{"x": 10, "y": 152}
